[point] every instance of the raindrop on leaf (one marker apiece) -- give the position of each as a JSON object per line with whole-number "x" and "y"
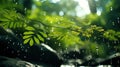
{"x": 48, "y": 38}
{"x": 12, "y": 52}
{"x": 59, "y": 44}
{"x": 113, "y": 23}
{"x": 26, "y": 50}
{"x": 25, "y": 57}
{"x": 111, "y": 8}
{"x": 16, "y": 3}
{"x": 118, "y": 19}
{"x": 13, "y": 43}
{"x": 18, "y": 51}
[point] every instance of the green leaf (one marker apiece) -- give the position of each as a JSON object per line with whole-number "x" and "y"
{"x": 26, "y": 41}
{"x": 31, "y": 42}
{"x": 25, "y": 37}
{"x": 29, "y": 28}
{"x": 15, "y": 25}
{"x": 44, "y": 35}
{"x": 40, "y": 38}
{"x": 37, "y": 40}
{"x": 29, "y": 32}
{"x": 11, "y": 24}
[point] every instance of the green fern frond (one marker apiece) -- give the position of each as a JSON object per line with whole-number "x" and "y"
{"x": 11, "y": 19}
{"x": 32, "y": 36}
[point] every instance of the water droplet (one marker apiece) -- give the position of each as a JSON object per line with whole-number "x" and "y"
{"x": 13, "y": 43}
{"x": 55, "y": 42}
{"x": 61, "y": 13}
{"x": 16, "y": 34}
{"x": 25, "y": 9}
{"x": 48, "y": 38}
{"x": 18, "y": 51}
{"x": 16, "y": 3}
{"x": 12, "y": 52}
{"x": 59, "y": 22}
{"x": 25, "y": 57}
{"x": 20, "y": 34}
{"x": 26, "y": 50}
{"x": 22, "y": 49}
{"x": 18, "y": 44}
{"x": 66, "y": 48}
{"x": 6, "y": 37}
{"x": 118, "y": 19}
{"x": 21, "y": 44}
{"x": 7, "y": 47}
{"x": 103, "y": 39}
{"x": 44, "y": 14}
{"x": 74, "y": 55}
{"x": 97, "y": 50}
{"x": 41, "y": 49}
{"x": 28, "y": 47}
{"x": 111, "y": 62}
{"x": 95, "y": 38}
{"x": 10, "y": 40}
{"x": 42, "y": 54}
{"x": 118, "y": 61}
{"x": 18, "y": 54}
{"x": 52, "y": 29}
{"x": 59, "y": 44}
{"x": 115, "y": 42}
{"x": 111, "y": 8}
{"x": 113, "y": 23}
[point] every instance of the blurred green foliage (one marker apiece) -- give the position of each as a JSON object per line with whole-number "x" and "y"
{"x": 41, "y": 21}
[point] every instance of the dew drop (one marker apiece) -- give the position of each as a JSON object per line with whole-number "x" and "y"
{"x": 13, "y": 43}
{"x": 21, "y": 44}
{"x": 18, "y": 51}
{"x": 16, "y": 34}
{"x": 118, "y": 19}
{"x": 113, "y": 23}
{"x": 26, "y": 50}
{"x": 10, "y": 40}
{"x": 18, "y": 44}
{"x": 18, "y": 54}
{"x": 6, "y": 37}
{"x": 97, "y": 50}
{"x": 41, "y": 49}
{"x": 12, "y": 52}
{"x": 25, "y": 9}
{"x": 111, "y": 62}
{"x": 118, "y": 61}
{"x": 42, "y": 54}
{"x": 58, "y": 22}
{"x": 25, "y": 57}
{"x": 74, "y": 55}
{"x": 55, "y": 42}
{"x": 48, "y": 38}
{"x": 111, "y": 8}
{"x": 7, "y": 47}
{"x": 22, "y": 49}
{"x": 59, "y": 44}
{"x": 16, "y": 3}
{"x": 66, "y": 48}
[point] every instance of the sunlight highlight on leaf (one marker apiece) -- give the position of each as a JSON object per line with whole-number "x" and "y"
{"x": 26, "y": 41}
{"x": 31, "y": 42}
{"x": 36, "y": 40}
